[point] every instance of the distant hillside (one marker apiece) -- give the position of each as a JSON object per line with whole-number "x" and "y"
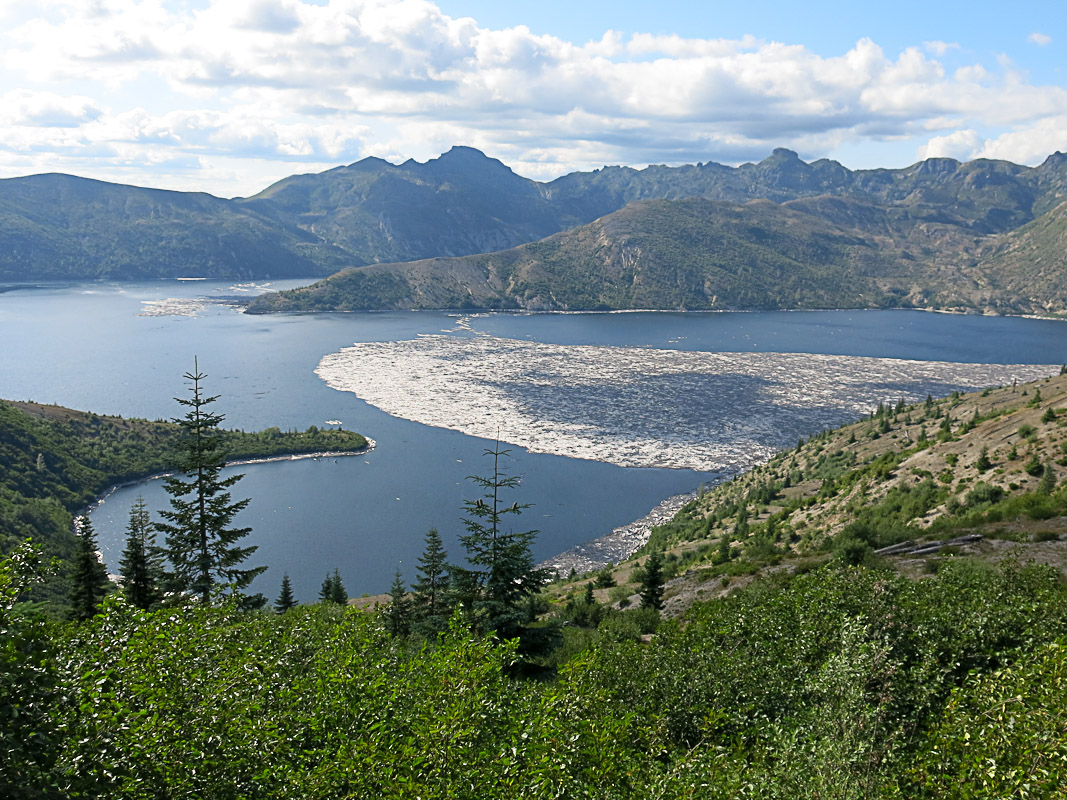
{"x": 462, "y": 203}
{"x": 458, "y": 204}
{"x": 58, "y": 226}
{"x": 983, "y": 195}
{"x": 1026, "y": 266}
{"x": 821, "y": 252}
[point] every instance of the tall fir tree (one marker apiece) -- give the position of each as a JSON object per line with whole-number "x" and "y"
{"x": 502, "y": 565}
{"x": 285, "y": 599}
{"x": 200, "y": 544}
{"x": 333, "y": 590}
{"x": 652, "y": 582}
{"x": 430, "y": 590}
{"x": 1048, "y": 480}
{"x": 89, "y": 583}
{"x": 141, "y": 565}
{"x": 398, "y": 617}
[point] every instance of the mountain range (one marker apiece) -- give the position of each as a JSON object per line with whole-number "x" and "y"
{"x": 463, "y": 230}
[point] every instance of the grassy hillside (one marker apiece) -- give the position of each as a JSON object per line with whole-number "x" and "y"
{"x": 1026, "y": 267}
{"x": 989, "y": 465}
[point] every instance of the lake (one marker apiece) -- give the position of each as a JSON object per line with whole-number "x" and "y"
{"x": 122, "y": 349}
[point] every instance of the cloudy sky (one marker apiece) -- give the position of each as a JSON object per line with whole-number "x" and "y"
{"x": 227, "y": 96}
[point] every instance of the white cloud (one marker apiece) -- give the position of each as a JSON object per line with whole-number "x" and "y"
{"x": 318, "y": 81}
{"x": 940, "y": 48}
{"x": 961, "y": 145}
{"x": 1040, "y": 39}
{"x": 1029, "y": 145}
{"x": 46, "y": 109}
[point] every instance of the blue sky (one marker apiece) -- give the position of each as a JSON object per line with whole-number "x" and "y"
{"x": 227, "y": 96}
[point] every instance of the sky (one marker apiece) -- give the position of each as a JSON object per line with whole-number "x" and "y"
{"x": 229, "y": 96}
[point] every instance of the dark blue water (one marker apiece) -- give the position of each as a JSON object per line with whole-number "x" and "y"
{"x": 85, "y": 346}
{"x": 880, "y": 334}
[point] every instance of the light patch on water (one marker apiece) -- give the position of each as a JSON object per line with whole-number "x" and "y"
{"x": 639, "y": 407}
{"x": 193, "y": 306}
{"x": 175, "y": 307}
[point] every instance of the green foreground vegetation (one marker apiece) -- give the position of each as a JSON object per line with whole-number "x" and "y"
{"x": 792, "y": 659}
{"x": 842, "y": 682}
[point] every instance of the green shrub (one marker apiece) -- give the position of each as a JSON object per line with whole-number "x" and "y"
{"x": 604, "y": 579}
{"x": 983, "y": 494}
{"x": 1002, "y": 734}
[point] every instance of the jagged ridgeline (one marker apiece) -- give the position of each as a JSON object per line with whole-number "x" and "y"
{"x": 55, "y": 461}
{"x": 779, "y": 233}
{"x": 982, "y": 236}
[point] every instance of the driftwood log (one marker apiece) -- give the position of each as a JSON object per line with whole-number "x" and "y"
{"x": 909, "y": 548}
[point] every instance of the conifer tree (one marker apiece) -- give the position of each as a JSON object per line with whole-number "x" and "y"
{"x": 200, "y": 544}
{"x": 89, "y": 581}
{"x": 503, "y": 567}
{"x": 1048, "y": 480}
{"x": 652, "y": 582}
{"x": 333, "y": 590}
{"x": 430, "y": 601}
{"x": 398, "y": 619}
{"x": 741, "y": 527}
{"x": 285, "y": 599}
{"x": 141, "y": 565}
{"x": 722, "y": 554}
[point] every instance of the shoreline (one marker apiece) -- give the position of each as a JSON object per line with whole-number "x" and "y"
{"x": 101, "y": 499}
{"x": 1054, "y": 316}
{"x": 623, "y": 541}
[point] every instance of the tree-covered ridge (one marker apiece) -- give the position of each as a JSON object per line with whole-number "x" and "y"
{"x": 55, "y": 461}
{"x": 72, "y": 456}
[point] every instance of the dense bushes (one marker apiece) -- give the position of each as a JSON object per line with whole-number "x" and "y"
{"x": 835, "y": 683}
{"x": 1002, "y": 734}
